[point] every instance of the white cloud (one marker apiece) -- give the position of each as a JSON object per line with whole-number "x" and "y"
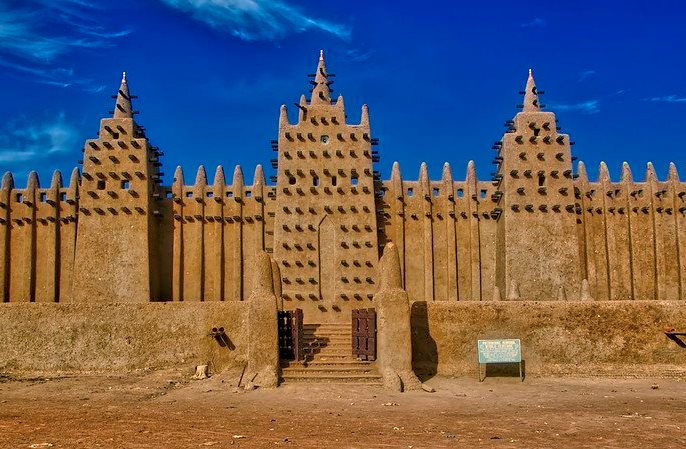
{"x": 668, "y": 99}
{"x": 587, "y": 107}
{"x": 584, "y": 75}
{"x": 536, "y": 22}
{"x": 21, "y": 141}
{"x": 253, "y": 20}
{"x": 31, "y": 42}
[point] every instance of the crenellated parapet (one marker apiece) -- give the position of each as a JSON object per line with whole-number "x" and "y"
{"x": 442, "y": 230}
{"x": 632, "y": 234}
{"x": 37, "y": 238}
{"x": 217, "y": 230}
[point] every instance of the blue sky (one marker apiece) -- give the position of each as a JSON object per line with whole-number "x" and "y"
{"x": 440, "y": 78}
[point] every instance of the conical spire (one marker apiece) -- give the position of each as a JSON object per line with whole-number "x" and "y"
{"x": 122, "y": 109}
{"x": 219, "y": 183}
{"x": 447, "y": 174}
{"x": 7, "y": 181}
{"x": 471, "y": 173}
{"x": 603, "y": 173}
{"x": 32, "y": 183}
{"x": 581, "y": 171}
{"x": 258, "y": 183}
{"x": 283, "y": 116}
{"x": 364, "y": 116}
{"x": 651, "y": 176}
{"x": 200, "y": 183}
{"x": 75, "y": 177}
{"x": 397, "y": 181}
{"x": 673, "y": 174}
{"x": 321, "y": 93}
{"x": 531, "y": 103}
{"x": 238, "y": 183}
{"x": 56, "y": 181}
{"x": 177, "y": 184}
{"x": 627, "y": 177}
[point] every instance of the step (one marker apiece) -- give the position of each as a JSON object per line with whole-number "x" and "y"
{"x": 330, "y": 351}
{"x": 320, "y": 337}
{"x": 323, "y": 369}
{"x": 336, "y": 362}
{"x": 333, "y": 378}
{"x": 327, "y": 331}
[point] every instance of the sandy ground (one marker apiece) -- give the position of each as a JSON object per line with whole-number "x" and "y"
{"x": 165, "y": 409}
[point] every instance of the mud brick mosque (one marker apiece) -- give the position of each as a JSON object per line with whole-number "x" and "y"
{"x": 536, "y": 232}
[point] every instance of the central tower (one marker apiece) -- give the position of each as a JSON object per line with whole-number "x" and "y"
{"x": 325, "y": 233}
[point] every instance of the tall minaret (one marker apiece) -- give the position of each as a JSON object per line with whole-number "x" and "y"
{"x": 117, "y": 215}
{"x": 538, "y": 248}
{"x": 325, "y": 234}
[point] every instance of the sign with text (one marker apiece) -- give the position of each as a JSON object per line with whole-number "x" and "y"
{"x": 500, "y": 351}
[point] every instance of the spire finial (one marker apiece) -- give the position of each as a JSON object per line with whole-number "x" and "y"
{"x": 123, "y": 108}
{"x": 531, "y": 103}
{"x": 321, "y": 93}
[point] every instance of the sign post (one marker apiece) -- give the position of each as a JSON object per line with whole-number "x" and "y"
{"x": 499, "y": 351}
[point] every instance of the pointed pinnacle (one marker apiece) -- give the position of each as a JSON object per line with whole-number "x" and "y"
{"x": 219, "y": 176}
{"x": 603, "y": 172}
{"x": 531, "y": 103}
{"x": 201, "y": 177}
{"x": 178, "y": 176}
{"x": 650, "y": 172}
{"x": 447, "y": 173}
{"x": 74, "y": 178}
{"x": 627, "y": 177}
{"x": 673, "y": 173}
{"x": 7, "y": 181}
{"x": 56, "y": 181}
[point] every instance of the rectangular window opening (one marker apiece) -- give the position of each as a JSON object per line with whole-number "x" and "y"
{"x": 315, "y": 180}
{"x": 189, "y": 194}
{"x": 248, "y": 193}
{"x": 483, "y": 193}
{"x": 20, "y": 198}
{"x": 410, "y": 191}
{"x": 168, "y": 194}
{"x": 334, "y": 180}
{"x": 229, "y": 194}
{"x": 100, "y": 185}
{"x": 209, "y": 194}
{"x": 354, "y": 180}
{"x": 125, "y": 185}
{"x": 63, "y": 196}
{"x": 43, "y": 197}
{"x": 436, "y": 191}
{"x": 460, "y": 193}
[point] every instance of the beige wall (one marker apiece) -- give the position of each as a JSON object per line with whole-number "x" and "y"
{"x": 579, "y": 338}
{"x": 119, "y": 337}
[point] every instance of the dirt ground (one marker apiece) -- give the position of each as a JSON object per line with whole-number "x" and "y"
{"x": 165, "y": 409}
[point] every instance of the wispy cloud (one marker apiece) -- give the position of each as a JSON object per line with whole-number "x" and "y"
{"x": 254, "y": 20}
{"x": 36, "y": 34}
{"x": 586, "y": 74}
{"x": 358, "y": 55}
{"x": 536, "y": 22}
{"x": 668, "y": 99}
{"x": 586, "y": 107}
{"x": 22, "y": 141}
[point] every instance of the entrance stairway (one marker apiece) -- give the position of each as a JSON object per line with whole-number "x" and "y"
{"x": 328, "y": 358}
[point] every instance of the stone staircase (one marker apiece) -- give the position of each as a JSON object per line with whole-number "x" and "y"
{"x": 328, "y": 351}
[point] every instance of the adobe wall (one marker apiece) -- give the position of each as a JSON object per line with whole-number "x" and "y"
{"x": 571, "y": 337}
{"x": 111, "y": 338}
